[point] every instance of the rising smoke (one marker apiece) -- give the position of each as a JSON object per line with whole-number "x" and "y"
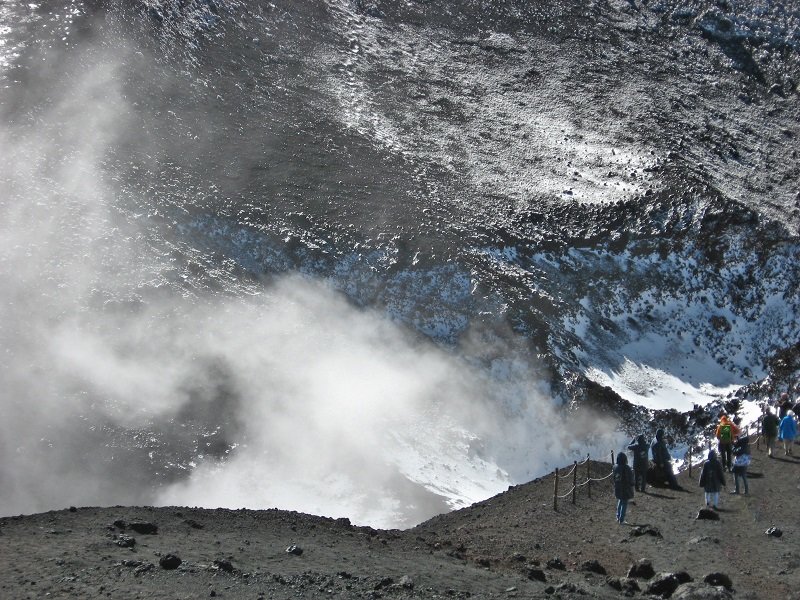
{"x": 121, "y": 385}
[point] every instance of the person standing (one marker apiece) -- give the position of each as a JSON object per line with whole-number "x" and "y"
{"x": 640, "y": 450}
{"x": 712, "y": 479}
{"x": 623, "y": 486}
{"x": 769, "y": 427}
{"x": 741, "y": 460}
{"x": 663, "y": 460}
{"x": 784, "y": 405}
{"x": 787, "y": 431}
{"x": 726, "y": 432}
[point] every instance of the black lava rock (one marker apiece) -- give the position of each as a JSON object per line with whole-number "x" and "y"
{"x": 593, "y": 566}
{"x": 774, "y": 532}
{"x": 126, "y": 541}
{"x": 169, "y": 562}
{"x": 645, "y": 530}
{"x": 296, "y": 550}
{"x": 536, "y": 575}
{"x": 706, "y": 514}
{"x": 719, "y": 579}
{"x": 144, "y": 528}
{"x": 642, "y": 569}
{"x": 663, "y": 584}
{"x": 224, "y": 565}
{"x": 556, "y": 563}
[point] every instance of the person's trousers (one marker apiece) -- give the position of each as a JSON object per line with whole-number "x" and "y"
{"x": 622, "y": 507}
{"x": 740, "y": 472}
{"x": 641, "y": 479}
{"x": 770, "y": 442}
{"x": 725, "y": 455}
{"x": 712, "y": 499}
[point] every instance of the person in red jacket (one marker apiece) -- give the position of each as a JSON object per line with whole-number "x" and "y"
{"x": 726, "y": 432}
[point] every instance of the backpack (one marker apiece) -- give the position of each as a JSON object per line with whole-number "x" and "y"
{"x": 725, "y": 433}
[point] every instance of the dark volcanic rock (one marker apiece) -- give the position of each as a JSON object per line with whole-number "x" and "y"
{"x": 645, "y": 530}
{"x": 224, "y": 565}
{"x": 642, "y": 568}
{"x": 665, "y": 584}
{"x": 144, "y": 527}
{"x": 706, "y": 514}
{"x": 701, "y": 591}
{"x": 626, "y": 585}
{"x": 126, "y": 541}
{"x": 294, "y": 549}
{"x": 536, "y": 575}
{"x": 593, "y": 566}
{"x": 169, "y": 562}
{"x": 556, "y": 563}
{"x": 774, "y": 532}
{"x": 717, "y": 579}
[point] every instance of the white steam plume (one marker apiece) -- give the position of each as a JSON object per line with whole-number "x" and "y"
{"x": 292, "y": 397}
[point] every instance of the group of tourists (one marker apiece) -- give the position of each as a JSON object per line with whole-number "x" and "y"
{"x": 731, "y": 456}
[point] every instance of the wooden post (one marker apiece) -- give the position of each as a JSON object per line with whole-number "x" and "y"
{"x": 758, "y": 434}
{"x": 689, "y": 454}
{"x": 574, "y": 480}
{"x": 588, "y": 476}
{"x": 555, "y": 491}
{"x": 612, "y": 459}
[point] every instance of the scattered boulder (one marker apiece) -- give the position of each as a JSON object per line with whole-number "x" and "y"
{"x": 626, "y": 585}
{"x": 406, "y": 582}
{"x": 706, "y": 514}
{"x": 593, "y": 566}
{"x": 719, "y": 579}
{"x": 642, "y": 569}
{"x": 641, "y": 530}
{"x": 569, "y": 588}
{"x": 701, "y": 591}
{"x": 536, "y": 575}
{"x": 125, "y": 541}
{"x": 144, "y": 528}
{"x": 224, "y": 565}
{"x": 665, "y": 584}
{"x": 556, "y": 563}
{"x": 774, "y": 532}
{"x": 169, "y": 562}
{"x": 193, "y": 524}
{"x": 293, "y": 549}
{"x": 705, "y": 538}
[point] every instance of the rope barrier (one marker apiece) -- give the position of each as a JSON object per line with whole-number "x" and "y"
{"x": 589, "y": 479}
{"x": 568, "y": 474}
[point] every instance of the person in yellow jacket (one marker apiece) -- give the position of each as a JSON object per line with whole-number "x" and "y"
{"x": 726, "y": 432}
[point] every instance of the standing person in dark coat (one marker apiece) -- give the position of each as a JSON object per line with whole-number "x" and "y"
{"x": 741, "y": 460}
{"x": 623, "y": 486}
{"x": 712, "y": 479}
{"x": 784, "y": 405}
{"x": 769, "y": 427}
{"x": 663, "y": 460}
{"x": 640, "y": 451}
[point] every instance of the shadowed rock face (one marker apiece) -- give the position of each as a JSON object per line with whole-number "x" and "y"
{"x": 610, "y": 186}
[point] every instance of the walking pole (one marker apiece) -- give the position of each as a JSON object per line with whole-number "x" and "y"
{"x": 574, "y": 480}
{"x": 555, "y": 491}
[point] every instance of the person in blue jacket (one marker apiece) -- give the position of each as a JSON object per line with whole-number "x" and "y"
{"x": 623, "y": 486}
{"x": 787, "y": 431}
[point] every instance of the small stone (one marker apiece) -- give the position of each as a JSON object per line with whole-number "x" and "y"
{"x": 593, "y": 566}
{"x": 73, "y": 509}
{"x": 125, "y": 541}
{"x": 719, "y": 579}
{"x": 706, "y": 514}
{"x": 224, "y": 565}
{"x": 406, "y": 582}
{"x": 293, "y": 549}
{"x": 144, "y": 528}
{"x": 556, "y": 563}
{"x": 645, "y": 530}
{"x": 663, "y": 584}
{"x": 536, "y": 575}
{"x": 169, "y": 562}
{"x": 774, "y": 532}
{"x": 701, "y": 591}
